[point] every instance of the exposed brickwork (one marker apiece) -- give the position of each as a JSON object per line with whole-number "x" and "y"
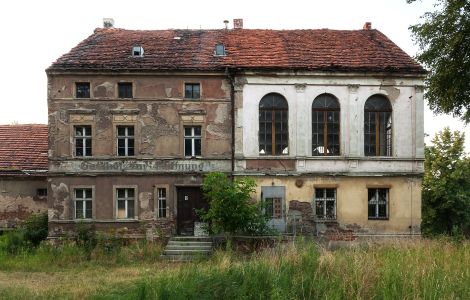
{"x": 313, "y": 50}
{"x": 334, "y": 232}
{"x": 305, "y": 225}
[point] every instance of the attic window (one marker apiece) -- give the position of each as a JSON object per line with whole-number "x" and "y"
{"x": 137, "y": 51}
{"x": 219, "y": 50}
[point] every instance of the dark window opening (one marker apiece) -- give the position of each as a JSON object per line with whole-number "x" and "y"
{"x": 137, "y": 51}
{"x": 192, "y": 141}
{"x": 273, "y": 125}
{"x": 125, "y": 90}
{"x": 325, "y": 203}
{"x": 125, "y": 140}
{"x": 41, "y": 192}
{"x": 325, "y": 126}
{"x": 192, "y": 90}
{"x": 377, "y": 126}
{"x": 82, "y": 90}
{"x": 378, "y": 203}
{"x": 82, "y": 137}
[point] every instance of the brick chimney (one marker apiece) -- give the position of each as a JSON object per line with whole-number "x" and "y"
{"x": 367, "y": 26}
{"x": 237, "y": 23}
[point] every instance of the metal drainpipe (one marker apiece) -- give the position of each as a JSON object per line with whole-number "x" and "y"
{"x": 229, "y": 74}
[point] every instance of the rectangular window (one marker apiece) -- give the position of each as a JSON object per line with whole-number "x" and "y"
{"x": 273, "y": 207}
{"x": 125, "y": 203}
{"x": 82, "y": 137}
{"x": 82, "y": 90}
{"x": 192, "y": 141}
{"x": 125, "y": 140}
{"x": 83, "y": 203}
{"x": 325, "y": 203}
{"x": 161, "y": 194}
{"x": 378, "y": 203}
{"x": 192, "y": 91}
{"x": 124, "y": 90}
{"x": 41, "y": 193}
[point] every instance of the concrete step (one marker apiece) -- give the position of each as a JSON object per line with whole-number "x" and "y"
{"x": 188, "y": 247}
{"x": 192, "y": 238}
{"x": 189, "y": 243}
{"x": 186, "y": 252}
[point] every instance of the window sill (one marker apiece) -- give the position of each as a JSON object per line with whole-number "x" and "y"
{"x": 378, "y": 219}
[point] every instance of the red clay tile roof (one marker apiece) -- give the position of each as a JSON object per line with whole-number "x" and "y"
{"x": 23, "y": 147}
{"x": 251, "y": 49}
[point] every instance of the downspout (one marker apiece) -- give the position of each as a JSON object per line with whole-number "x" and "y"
{"x": 229, "y": 74}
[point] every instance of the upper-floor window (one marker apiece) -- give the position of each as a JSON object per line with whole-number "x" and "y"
{"x": 325, "y": 203}
{"x": 125, "y": 140}
{"x": 325, "y": 125}
{"x": 377, "y": 126}
{"x": 273, "y": 128}
{"x": 83, "y": 203}
{"x": 219, "y": 50}
{"x": 82, "y": 89}
{"x": 137, "y": 50}
{"x": 192, "y": 141}
{"x": 125, "y": 90}
{"x": 82, "y": 137}
{"x": 378, "y": 203}
{"x": 192, "y": 90}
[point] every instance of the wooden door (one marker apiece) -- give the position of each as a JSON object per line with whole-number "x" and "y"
{"x": 189, "y": 199}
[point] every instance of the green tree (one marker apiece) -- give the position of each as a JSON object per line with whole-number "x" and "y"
{"x": 231, "y": 208}
{"x": 444, "y": 42}
{"x": 446, "y": 185}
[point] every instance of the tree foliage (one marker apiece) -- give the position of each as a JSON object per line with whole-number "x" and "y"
{"x": 231, "y": 208}
{"x": 444, "y": 42}
{"x": 446, "y": 185}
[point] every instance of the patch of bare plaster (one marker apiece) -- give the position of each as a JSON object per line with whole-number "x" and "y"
{"x": 147, "y": 139}
{"x": 220, "y": 128}
{"x": 389, "y": 87}
{"x": 168, "y": 92}
{"x": 104, "y": 122}
{"x": 104, "y": 90}
{"x": 61, "y": 201}
{"x": 144, "y": 203}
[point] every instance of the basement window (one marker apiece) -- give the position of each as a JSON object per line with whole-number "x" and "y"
{"x": 219, "y": 50}
{"x": 137, "y": 51}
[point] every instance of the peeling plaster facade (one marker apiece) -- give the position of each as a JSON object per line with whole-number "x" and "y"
{"x": 158, "y": 113}
{"x": 351, "y": 173}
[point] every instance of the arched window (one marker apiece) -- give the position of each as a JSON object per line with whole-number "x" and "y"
{"x": 325, "y": 125}
{"x": 377, "y": 126}
{"x": 273, "y": 130}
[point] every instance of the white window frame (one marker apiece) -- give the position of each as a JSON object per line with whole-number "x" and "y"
{"x": 193, "y": 139}
{"x": 325, "y": 199}
{"x": 126, "y": 199}
{"x": 84, "y": 199}
{"x": 84, "y": 138}
{"x": 376, "y": 202}
{"x": 162, "y": 210}
{"x": 126, "y": 138}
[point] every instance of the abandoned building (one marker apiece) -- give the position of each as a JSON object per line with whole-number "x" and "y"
{"x": 23, "y": 172}
{"x": 328, "y": 122}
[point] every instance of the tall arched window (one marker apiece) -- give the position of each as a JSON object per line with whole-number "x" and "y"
{"x": 377, "y": 126}
{"x": 325, "y": 125}
{"x": 273, "y": 130}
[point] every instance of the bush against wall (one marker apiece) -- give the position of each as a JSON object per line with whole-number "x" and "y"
{"x": 231, "y": 207}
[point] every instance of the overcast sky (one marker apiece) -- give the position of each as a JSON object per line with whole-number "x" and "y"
{"x": 35, "y": 33}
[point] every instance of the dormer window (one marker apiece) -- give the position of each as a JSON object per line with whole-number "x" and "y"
{"x": 219, "y": 50}
{"x": 137, "y": 51}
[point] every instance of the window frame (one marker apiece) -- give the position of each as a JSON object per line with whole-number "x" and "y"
{"x": 84, "y": 199}
{"x": 84, "y": 139}
{"x": 192, "y": 84}
{"x": 193, "y": 139}
{"x": 324, "y": 199}
{"x": 326, "y": 125}
{"x": 77, "y": 95}
{"x": 378, "y": 116}
{"x": 123, "y": 84}
{"x": 219, "y": 50}
{"x": 272, "y": 121}
{"x": 116, "y": 200}
{"x": 377, "y": 203}
{"x": 126, "y": 138}
{"x": 162, "y": 211}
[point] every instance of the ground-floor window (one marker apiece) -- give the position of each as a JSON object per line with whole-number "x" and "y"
{"x": 83, "y": 203}
{"x": 325, "y": 203}
{"x": 125, "y": 203}
{"x": 378, "y": 203}
{"x": 161, "y": 196}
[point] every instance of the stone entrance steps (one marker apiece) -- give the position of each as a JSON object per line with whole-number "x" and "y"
{"x": 187, "y": 248}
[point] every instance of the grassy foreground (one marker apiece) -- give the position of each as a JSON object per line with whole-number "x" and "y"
{"x": 426, "y": 269}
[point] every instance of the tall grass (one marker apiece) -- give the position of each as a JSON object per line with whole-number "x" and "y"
{"x": 403, "y": 270}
